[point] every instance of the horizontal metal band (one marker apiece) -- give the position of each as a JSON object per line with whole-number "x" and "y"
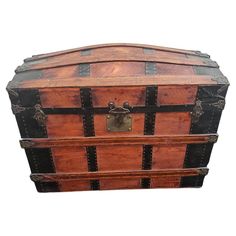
{"x": 105, "y": 110}
{"x": 49, "y": 177}
{"x": 121, "y": 140}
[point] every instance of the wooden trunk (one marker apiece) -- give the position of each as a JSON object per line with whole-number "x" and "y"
{"x": 118, "y": 116}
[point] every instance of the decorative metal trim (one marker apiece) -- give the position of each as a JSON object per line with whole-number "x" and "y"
{"x": 197, "y": 111}
{"x": 119, "y": 119}
{"x": 17, "y": 109}
{"x": 39, "y": 115}
{"x": 150, "y": 68}
{"x": 36, "y": 178}
{"x": 203, "y": 171}
{"x": 84, "y": 70}
{"x": 213, "y": 139}
{"x": 21, "y": 68}
{"x": 12, "y": 92}
{"x": 219, "y": 105}
{"x": 85, "y": 52}
{"x": 26, "y": 144}
{"x": 220, "y": 80}
{"x": 148, "y": 50}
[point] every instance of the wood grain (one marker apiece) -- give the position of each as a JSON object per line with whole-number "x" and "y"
{"x": 74, "y": 185}
{"x": 168, "y": 156}
{"x": 135, "y": 96}
{"x": 120, "y": 140}
{"x": 108, "y": 184}
{"x": 114, "y": 45}
{"x": 64, "y": 126}
{"x": 114, "y": 69}
{"x": 166, "y": 182}
{"x": 134, "y": 81}
{"x": 70, "y": 159}
{"x": 174, "y": 95}
{"x": 172, "y": 123}
{"x": 60, "y": 97}
{"x": 51, "y": 177}
{"x": 119, "y": 158}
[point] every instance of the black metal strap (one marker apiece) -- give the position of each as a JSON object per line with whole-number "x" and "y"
{"x": 84, "y": 70}
{"x": 105, "y": 110}
{"x": 149, "y": 129}
{"x": 150, "y": 68}
{"x": 88, "y": 123}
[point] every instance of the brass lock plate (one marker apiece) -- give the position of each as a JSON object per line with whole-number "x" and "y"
{"x": 119, "y": 124}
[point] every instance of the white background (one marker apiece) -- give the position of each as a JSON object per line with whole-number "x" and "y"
{"x": 33, "y": 27}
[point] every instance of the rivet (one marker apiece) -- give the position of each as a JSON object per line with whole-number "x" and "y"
{"x": 129, "y": 129}
{"x": 108, "y": 117}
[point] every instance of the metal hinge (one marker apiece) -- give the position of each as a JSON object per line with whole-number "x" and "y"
{"x": 197, "y": 112}
{"x": 17, "y": 109}
{"x": 212, "y": 138}
{"x": 39, "y": 115}
{"x": 219, "y": 105}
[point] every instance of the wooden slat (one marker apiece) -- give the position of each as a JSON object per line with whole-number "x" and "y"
{"x": 68, "y": 61}
{"x": 121, "y": 140}
{"x": 115, "y": 81}
{"x": 166, "y": 49}
{"x": 51, "y": 177}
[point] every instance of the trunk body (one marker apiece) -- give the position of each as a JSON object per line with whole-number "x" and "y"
{"x": 118, "y": 116}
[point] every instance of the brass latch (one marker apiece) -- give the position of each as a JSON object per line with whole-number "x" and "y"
{"x": 119, "y": 118}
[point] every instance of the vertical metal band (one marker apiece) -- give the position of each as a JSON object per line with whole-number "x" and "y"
{"x": 40, "y": 160}
{"x": 84, "y": 70}
{"x": 149, "y": 128}
{"x": 85, "y": 52}
{"x": 148, "y": 50}
{"x": 150, "y": 68}
{"x": 88, "y": 123}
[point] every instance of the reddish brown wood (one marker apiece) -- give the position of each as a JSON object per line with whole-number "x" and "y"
{"x": 115, "y": 45}
{"x": 60, "y": 98}
{"x": 70, "y": 159}
{"x": 172, "y": 123}
{"x": 165, "y": 182}
{"x": 168, "y": 156}
{"x": 134, "y": 95}
{"x": 120, "y": 73}
{"x": 120, "y": 140}
{"x": 74, "y": 59}
{"x": 113, "y": 69}
{"x": 64, "y": 82}
{"x": 174, "y": 95}
{"x": 119, "y": 158}
{"x": 74, "y": 185}
{"x": 51, "y": 177}
{"x": 64, "y": 126}
{"x": 107, "y": 184}
{"x": 166, "y": 69}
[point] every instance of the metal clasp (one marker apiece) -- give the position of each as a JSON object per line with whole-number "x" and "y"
{"x": 119, "y": 118}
